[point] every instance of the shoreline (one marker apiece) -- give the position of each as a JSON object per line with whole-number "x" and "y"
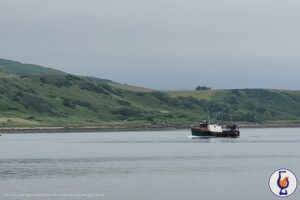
{"x": 25, "y": 130}
{"x": 28, "y": 130}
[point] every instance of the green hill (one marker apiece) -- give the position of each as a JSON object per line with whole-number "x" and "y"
{"x": 37, "y": 96}
{"x": 17, "y": 68}
{"x": 66, "y": 100}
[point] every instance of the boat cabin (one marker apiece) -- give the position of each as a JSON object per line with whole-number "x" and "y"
{"x": 232, "y": 127}
{"x": 203, "y": 125}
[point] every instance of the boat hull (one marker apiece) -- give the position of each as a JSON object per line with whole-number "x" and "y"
{"x": 201, "y": 133}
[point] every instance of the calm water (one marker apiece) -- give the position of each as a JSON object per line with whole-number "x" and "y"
{"x": 145, "y": 165}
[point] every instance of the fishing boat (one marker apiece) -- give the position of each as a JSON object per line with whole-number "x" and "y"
{"x": 214, "y": 130}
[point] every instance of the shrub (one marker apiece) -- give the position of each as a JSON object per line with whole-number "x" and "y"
{"x": 58, "y": 81}
{"x": 165, "y": 98}
{"x": 123, "y": 102}
{"x": 68, "y": 102}
{"x": 73, "y": 103}
{"x": 92, "y": 87}
{"x": 127, "y": 112}
{"x": 35, "y": 102}
{"x": 141, "y": 94}
{"x": 236, "y": 92}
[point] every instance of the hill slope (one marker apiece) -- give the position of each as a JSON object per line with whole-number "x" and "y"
{"x": 44, "y": 99}
{"x": 75, "y": 101}
{"x": 250, "y": 105}
{"x": 17, "y": 68}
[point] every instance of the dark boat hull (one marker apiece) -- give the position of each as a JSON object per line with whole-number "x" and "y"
{"x": 200, "y": 133}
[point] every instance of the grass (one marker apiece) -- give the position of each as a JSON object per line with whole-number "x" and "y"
{"x": 17, "y": 122}
{"x": 200, "y": 94}
{"x": 130, "y": 87}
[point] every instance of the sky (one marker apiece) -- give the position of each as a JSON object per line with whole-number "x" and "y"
{"x": 163, "y": 44}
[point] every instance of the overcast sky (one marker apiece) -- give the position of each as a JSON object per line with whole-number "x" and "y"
{"x": 166, "y": 44}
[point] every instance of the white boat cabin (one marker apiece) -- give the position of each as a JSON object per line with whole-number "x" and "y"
{"x": 215, "y": 128}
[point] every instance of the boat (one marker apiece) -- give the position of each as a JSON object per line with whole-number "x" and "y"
{"x": 214, "y": 130}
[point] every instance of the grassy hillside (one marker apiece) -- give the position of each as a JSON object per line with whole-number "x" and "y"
{"x": 250, "y": 105}
{"x": 17, "y": 68}
{"x": 60, "y": 99}
{"x": 66, "y": 100}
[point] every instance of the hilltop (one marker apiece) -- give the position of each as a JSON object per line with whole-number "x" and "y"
{"x": 17, "y": 68}
{"x": 33, "y": 96}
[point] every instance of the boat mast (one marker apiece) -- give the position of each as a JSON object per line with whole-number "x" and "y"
{"x": 221, "y": 113}
{"x": 208, "y": 118}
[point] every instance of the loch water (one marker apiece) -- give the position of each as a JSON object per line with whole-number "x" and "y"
{"x": 149, "y": 165}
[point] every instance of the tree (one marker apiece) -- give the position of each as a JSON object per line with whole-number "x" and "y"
{"x": 202, "y": 88}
